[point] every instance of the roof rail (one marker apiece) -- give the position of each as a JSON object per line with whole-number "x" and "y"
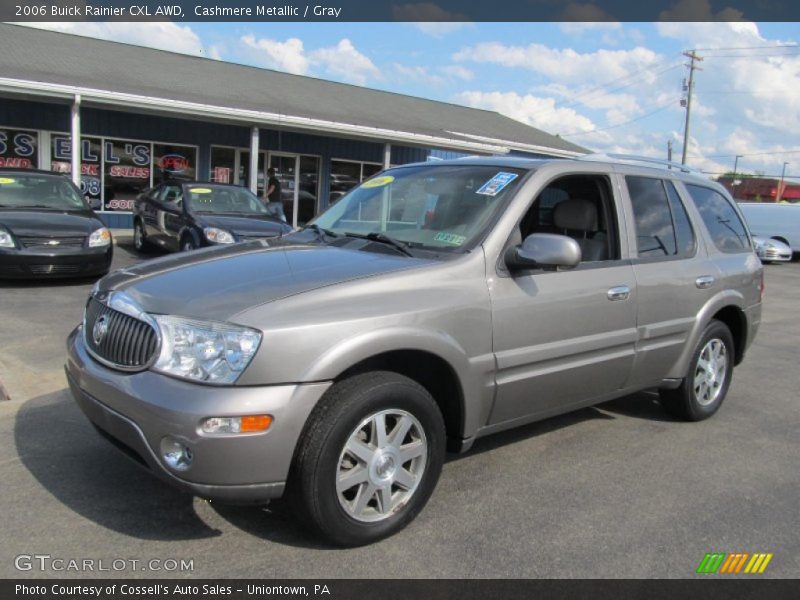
{"x": 646, "y": 160}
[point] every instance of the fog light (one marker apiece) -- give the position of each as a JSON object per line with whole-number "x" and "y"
{"x": 176, "y": 455}
{"x": 246, "y": 424}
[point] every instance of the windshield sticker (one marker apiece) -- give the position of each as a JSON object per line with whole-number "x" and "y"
{"x": 6, "y": 180}
{"x": 378, "y": 182}
{"x": 200, "y": 191}
{"x": 496, "y": 184}
{"x": 449, "y": 238}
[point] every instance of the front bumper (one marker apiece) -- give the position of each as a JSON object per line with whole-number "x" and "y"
{"x": 136, "y": 411}
{"x": 80, "y": 262}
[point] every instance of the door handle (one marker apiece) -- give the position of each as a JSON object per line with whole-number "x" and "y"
{"x": 704, "y": 281}
{"x": 620, "y": 292}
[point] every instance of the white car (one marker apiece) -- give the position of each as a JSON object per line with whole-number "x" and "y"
{"x": 780, "y": 222}
{"x": 771, "y": 250}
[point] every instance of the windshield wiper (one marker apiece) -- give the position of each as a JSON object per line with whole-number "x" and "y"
{"x": 375, "y": 236}
{"x": 321, "y": 232}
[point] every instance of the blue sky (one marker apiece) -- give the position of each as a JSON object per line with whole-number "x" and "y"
{"x": 607, "y": 86}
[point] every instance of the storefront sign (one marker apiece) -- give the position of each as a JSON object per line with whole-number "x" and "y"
{"x": 18, "y": 149}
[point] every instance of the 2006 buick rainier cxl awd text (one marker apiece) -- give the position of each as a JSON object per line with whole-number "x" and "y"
{"x": 434, "y": 304}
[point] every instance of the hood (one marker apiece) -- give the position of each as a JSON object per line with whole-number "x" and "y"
{"x": 39, "y": 222}
{"x": 255, "y": 225}
{"x": 217, "y": 283}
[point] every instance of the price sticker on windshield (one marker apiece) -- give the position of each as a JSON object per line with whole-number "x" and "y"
{"x": 378, "y": 182}
{"x": 6, "y": 180}
{"x": 496, "y": 184}
{"x": 200, "y": 190}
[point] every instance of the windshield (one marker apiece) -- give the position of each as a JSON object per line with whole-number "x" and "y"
{"x": 23, "y": 190}
{"x": 223, "y": 199}
{"x": 443, "y": 208}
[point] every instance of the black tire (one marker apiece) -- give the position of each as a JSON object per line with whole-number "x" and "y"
{"x": 188, "y": 244}
{"x": 140, "y": 242}
{"x": 318, "y": 459}
{"x": 683, "y": 402}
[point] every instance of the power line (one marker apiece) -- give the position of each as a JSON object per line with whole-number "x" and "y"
{"x": 772, "y": 153}
{"x": 639, "y": 118}
{"x": 770, "y": 47}
{"x": 590, "y": 93}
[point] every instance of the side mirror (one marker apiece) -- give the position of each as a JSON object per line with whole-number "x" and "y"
{"x": 544, "y": 250}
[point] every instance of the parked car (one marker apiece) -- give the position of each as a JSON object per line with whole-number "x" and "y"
{"x": 47, "y": 228}
{"x": 776, "y": 221}
{"x": 435, "y": 304}
{"x": 771, "y": 251}
{"x": 186, "y": 216}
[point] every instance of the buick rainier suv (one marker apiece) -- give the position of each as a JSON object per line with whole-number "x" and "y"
{"x": 432, "y": 305}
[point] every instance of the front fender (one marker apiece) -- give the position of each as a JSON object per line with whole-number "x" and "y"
{"x": 474, "y": 374}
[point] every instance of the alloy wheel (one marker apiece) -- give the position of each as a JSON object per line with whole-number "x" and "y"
{"x": 710, "y": 372}
{"x": 381, "y": 465}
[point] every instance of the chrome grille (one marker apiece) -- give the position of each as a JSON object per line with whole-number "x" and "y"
{"x": 50, "y": 242}
{"x": 128, "y": 343}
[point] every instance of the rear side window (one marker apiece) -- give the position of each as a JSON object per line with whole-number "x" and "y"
{"x": 726, "y": 228}
{"x": 662, "y": 226}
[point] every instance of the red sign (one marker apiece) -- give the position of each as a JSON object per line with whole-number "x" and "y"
{"x": 131, "y": 172}
{"x": 222, "y": 175}
{"x": 174, "y": 162}
{"x": 16, "y": 163}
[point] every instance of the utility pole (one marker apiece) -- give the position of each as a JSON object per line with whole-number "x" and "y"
{"x": 780, "y": 185}
{"x": 735, "y": 165}
{"x": 693, "y": 57}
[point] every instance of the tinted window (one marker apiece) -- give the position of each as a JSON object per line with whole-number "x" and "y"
{"x": 655, "y": 233}
{"x": 24, "y": 190}
{"x": 683, "y": 227}
{"x": 724, "y": 225}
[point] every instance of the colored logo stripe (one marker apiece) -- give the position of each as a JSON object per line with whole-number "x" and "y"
{"x": 721, "y": 562}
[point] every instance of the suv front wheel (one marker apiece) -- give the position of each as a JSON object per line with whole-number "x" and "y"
{"x": 369, "y": 459}
{"x": 704, "y": 388}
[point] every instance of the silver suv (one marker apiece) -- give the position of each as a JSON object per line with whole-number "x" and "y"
{"x": 433, "y": 305}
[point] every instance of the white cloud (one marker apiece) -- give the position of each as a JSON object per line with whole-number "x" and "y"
{"x": 418, "y": 74}
{"x": 215, "y": 51}
{"x": 345, "y": 61}
{"x": 162, "y": 35}
{"x": 529, "y": 109}
{"x": 286, "y": 56}
{"x": 563, "y": 65}
{"x": 458, "y": 72}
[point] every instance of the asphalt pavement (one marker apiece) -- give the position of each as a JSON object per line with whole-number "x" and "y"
{"x": 620, "y": 490}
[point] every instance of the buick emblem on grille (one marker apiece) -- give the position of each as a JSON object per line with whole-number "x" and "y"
{"x": 100, "y": 329}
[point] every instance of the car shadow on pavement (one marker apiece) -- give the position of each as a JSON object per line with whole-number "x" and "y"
{"x": 642, "y": 405}
{"x": 276, "y": 523}
{"x": 59, "y": 447}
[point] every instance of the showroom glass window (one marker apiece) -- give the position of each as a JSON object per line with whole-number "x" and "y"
{"x": 223, "y": 163}
{"x": 126, "y": 171}
{"x": 724, "y": 225}
{"x": 91, "y": 155}
{"x": 662, "y": 226}
{"x": 346, "y": 174}
{"x": 172, "y": 162}
{"x": 18, "y": 149}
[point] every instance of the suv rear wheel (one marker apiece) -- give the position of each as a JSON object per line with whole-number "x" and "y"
{"x": 370, "y": 456}
{"x": 704, "y": 388}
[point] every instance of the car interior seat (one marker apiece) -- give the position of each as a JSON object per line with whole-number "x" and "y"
{"x": 577, "y": 218}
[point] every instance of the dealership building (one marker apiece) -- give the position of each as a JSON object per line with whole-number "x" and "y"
{"x": 123, "y": 118}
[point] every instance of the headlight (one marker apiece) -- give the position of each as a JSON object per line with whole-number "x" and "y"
{"x": 204, "y": 351}
{"x": 218, "y": 236}
{"x": 6, "y": 240}
{"x": 100, "y": 237}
